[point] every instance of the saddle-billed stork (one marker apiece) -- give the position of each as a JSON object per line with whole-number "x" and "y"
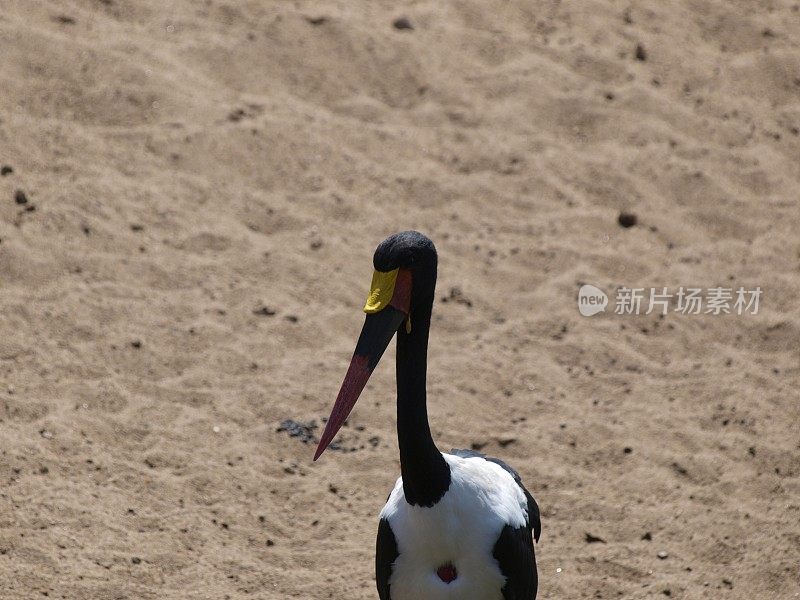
{"x": 457, "y": 526}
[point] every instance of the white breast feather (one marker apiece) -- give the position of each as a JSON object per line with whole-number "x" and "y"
{"x": 462, "y": 529}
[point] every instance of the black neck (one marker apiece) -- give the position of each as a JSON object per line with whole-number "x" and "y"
{"x": 426, "y": 475}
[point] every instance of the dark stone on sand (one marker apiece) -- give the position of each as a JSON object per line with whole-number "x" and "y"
{"x": 402, "y": 23}
{"x": 264, "y": 311}
{"x": 593, "y": 539}
{"x": 316, "y": 20}
{"x": 6, "y": 170}
{"x": 305, "y": 432}
{"x": 136, "y": 344}
{"x": 627, "y": 220}
{"x": 647, "y": 536}
{"x": 641, "y": 53}
{"x": 680, "y": 470}
{"x": 297, "y": 429}
{"x": 20, "y": 197}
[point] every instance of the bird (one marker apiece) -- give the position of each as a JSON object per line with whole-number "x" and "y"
{"x": 457, "y": 525}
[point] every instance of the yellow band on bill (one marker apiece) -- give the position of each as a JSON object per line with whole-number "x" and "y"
{"x": 381, "y": 291}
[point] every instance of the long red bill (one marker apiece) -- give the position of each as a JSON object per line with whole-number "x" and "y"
{"x": 378, "y": 330}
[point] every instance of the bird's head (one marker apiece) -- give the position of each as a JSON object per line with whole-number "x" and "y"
{"x": 403, "y": 281}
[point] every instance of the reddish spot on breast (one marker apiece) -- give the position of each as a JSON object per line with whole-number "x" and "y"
{"x": 447, "y": 573}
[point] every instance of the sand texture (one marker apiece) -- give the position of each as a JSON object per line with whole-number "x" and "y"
{"x": 192, "y": 194}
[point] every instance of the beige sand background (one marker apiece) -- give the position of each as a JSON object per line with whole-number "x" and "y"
{"x": 188, "y": 164}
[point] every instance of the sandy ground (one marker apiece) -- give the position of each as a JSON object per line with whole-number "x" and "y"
{"x": 203, "y": 184}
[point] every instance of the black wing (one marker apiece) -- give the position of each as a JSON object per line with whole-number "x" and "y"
{"x": 514, "y": 553}
{"x": 385, "y": 555}
{"x": 514, "y": 548}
